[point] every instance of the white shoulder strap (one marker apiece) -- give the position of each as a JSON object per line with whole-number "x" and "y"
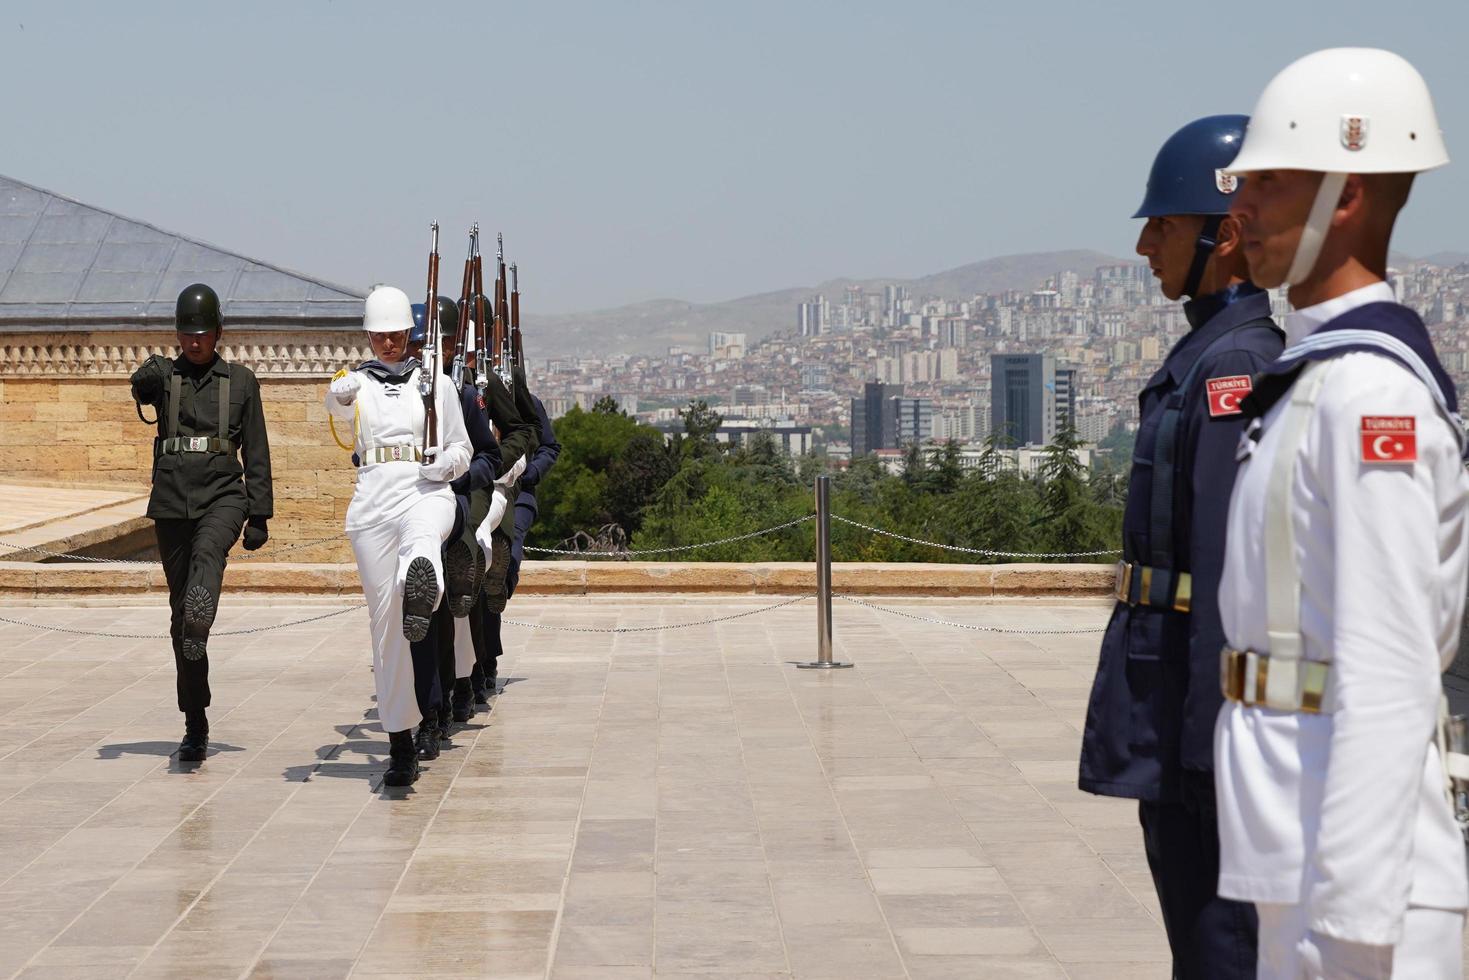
{"x": 1282, "y": 570}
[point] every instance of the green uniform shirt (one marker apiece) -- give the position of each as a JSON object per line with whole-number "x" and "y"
{"x": 517, "y": 432}
{"x": 186, "y": 485}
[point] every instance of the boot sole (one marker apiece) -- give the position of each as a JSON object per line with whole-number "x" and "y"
{"x": 420, "y": 589}
{"x": 462, "y": 576}
{"x": 199, "y": 610}
{"x": 498, "y": 571}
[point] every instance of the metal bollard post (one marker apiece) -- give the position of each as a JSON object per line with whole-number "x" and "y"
{"x": 823, "y": 659}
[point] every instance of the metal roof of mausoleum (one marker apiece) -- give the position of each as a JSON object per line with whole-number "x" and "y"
{"x": 68, "y": 264}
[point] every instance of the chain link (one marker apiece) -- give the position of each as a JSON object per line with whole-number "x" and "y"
{"x": 247, "y": 556}
{"x": 973, "y": 551}
{"x": 164, "y": 636}
{"x": 660, "y": 629}
{"x": 629, "y": 552}
{"x": 965, "y": 626}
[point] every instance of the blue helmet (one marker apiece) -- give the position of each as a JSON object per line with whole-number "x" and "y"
{"x": 1188, "y": 173}
{"x": 448, "y": 320}
{"x": 419, "y": 333}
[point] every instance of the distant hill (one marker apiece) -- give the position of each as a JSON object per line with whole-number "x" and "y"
{"x": 653, "y": 326}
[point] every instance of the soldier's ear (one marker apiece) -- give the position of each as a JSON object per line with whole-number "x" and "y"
{"x": 1229, "y": 237}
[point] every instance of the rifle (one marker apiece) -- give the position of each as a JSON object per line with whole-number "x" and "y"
{"x": 517, "y": 354}
{"x": 502, "y": 327}
{"x": 482, "y": 323}
{"x": 456, "y": 368}
{"x": 428, "y": 375}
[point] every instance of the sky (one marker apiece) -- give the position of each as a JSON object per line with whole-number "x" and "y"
{"x": 680, "y": 149}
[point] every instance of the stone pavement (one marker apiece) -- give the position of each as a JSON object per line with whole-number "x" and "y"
{"x": 670, "y": 804}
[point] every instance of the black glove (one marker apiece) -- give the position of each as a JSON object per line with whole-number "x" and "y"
{"x": 256, "y": 533}
{"x": 148, "y": 379}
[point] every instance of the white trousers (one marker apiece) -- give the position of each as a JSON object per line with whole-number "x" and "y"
{"x": 1432, "y": 948}
{"x": 383, "y": 553}
{"x": 464, "y": 647}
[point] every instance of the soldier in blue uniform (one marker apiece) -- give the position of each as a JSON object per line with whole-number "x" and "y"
{"x": 526, "y": 510}
{"x": 1150, "y": 722}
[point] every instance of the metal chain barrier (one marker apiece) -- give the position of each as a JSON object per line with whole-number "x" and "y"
{"x": 659, "y": 629}
{"x": 986, "y": 552}
{"x": 164, "y": 636}
{"x": 341, "y": 612}
{"x": 629, "y": 552}
{"x": 247, "y": 556}
{"x": 966, "y": 626}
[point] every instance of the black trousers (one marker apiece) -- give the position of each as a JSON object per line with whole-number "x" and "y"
{"x": 193, "y": 553}
{"x": 1211, "y": 937}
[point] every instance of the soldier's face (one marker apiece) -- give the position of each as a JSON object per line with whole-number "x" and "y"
{"x": 1272, "y": 206}
{"x": 389, "y": 347}
{"x": 198, "y": 348}
{"x": 1167, "y": 242}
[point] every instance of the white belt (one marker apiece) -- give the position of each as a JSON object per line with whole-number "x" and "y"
{"x": 393, "y": 454}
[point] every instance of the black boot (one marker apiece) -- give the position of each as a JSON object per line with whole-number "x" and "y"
{"x": 463, "y": 569}
{"x": 463, "y": 701}
{"x": 199, "y": 608}
{"x": 420, "y": 590}
{"x": 482, "y": 691}
{"x": 498, "y": 571}
{"x": 446, "y": 723}
{"x": 402, "y": 759}
{"x": 195, "y": 745}
{"x": 427, "y": 739}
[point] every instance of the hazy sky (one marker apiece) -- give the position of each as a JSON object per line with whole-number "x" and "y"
{"x": 696, "y": 150}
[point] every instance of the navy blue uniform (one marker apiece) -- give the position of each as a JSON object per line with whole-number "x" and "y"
{"x": 526, "y": 510}
{"x": 1150, "y": 722}
{"x": 433, "y": 656}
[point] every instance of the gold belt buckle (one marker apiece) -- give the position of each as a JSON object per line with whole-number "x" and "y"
{"x": 396, "y": 453}
{"x": 1232, "y": 674}
{"x": 1122, "y": 581}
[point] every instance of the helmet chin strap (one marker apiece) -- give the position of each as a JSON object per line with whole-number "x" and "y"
{"x": 1318, "y": 223}
{"x": 1203, "y": 248}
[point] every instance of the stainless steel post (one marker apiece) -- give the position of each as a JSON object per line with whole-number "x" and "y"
{"x": 823, "y": 659}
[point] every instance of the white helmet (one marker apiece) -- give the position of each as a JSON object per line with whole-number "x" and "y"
{"x": 387, "y": 310}
{"x": 1337, "y": 112}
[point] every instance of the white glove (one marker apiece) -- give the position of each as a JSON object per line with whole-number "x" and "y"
{"x": 499, "y": 503}
{"x": 345, "y": 388}
{"x": 511, "y": 475}
{"x": 435, "y": 469}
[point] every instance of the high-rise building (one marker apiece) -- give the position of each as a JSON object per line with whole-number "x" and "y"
{"x": 1030, "y": 399}
{"x": 912, "y": 420}
{"x": 870, "y": 424}
{"x": 814, "y": 318}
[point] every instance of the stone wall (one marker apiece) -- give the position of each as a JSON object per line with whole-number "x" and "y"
{"x": 67, "y": 416}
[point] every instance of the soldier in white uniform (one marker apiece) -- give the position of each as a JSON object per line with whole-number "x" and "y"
{"x": 402, "y": 508}
{"x": 1345, "y": 563}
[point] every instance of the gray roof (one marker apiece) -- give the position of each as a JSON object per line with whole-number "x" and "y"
{"x": 64, "y": 263}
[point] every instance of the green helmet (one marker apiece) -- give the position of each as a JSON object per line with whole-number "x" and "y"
{"x": 197, "y": 310}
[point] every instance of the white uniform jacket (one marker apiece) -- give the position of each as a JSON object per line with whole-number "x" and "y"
{"x": 1345, "y": 812}
{"x": 392, "y": 415}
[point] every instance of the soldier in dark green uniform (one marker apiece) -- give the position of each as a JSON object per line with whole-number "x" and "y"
{"x": 209, "y": 418}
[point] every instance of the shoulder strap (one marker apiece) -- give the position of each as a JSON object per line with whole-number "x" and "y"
{"x": 1165, "y": 458}
{"x": 175, "y": 390}
{"x": 1282, "y": 571}
{"x": 224, "y": 408}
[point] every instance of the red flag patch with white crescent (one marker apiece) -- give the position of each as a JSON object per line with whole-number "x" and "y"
{"x": 1389, "y": 439}
{"x": 1225, "y": 394}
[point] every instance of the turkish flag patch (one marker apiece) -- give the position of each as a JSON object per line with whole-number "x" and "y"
{"x": 481, "y": 400}
{"x": 1225, "y": 394}
{"x": 1389, "y": 439}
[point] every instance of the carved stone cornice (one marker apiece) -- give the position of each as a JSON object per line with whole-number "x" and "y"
{"x": 111, "y": 354}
